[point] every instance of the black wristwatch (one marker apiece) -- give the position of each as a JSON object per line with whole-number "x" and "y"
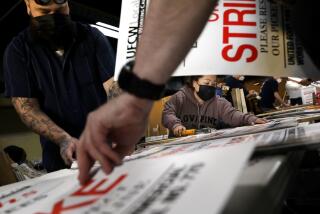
{"x": 131, "y": 83}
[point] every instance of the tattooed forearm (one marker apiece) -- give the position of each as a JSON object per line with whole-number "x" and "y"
{"x": 31, "y": 114}
{"x": 112, "y": 89}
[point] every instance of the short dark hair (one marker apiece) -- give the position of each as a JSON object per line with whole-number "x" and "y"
{"x": 190, "y": 79}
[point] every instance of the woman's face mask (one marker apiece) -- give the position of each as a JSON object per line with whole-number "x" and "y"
{"x": 55, "y": 30}
{"x": 279, "y": 80}
{"x": 206, "y": 92}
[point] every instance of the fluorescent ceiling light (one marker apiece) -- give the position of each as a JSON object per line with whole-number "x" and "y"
{"x": 107, "y": 26}
{"x": 107, "y": 30}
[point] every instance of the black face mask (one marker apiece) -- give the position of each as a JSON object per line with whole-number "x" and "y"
{"x": 206, "y": 92}
{"x": 55, "y": 30}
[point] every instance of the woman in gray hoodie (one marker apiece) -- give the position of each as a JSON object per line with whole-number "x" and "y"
{"x": 196, "y": 106}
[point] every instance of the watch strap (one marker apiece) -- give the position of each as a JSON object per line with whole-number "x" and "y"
{"x": 131, "y": 83}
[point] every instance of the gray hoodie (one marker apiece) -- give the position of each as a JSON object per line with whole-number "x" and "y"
{"x": 183, "y": 109}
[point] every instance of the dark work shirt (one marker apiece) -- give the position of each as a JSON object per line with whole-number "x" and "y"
{"x": 234, "y": 83}
{"x": 67, "y": 87}
{"x": 269, "y": 87}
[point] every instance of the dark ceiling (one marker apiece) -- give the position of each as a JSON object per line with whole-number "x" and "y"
{"x": 14, "y": 18}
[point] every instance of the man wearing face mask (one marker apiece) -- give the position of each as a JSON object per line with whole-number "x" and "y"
{"x": 195, "y": 106}
{"x": 270, "y": 93}
{"x": 55, "y": 71}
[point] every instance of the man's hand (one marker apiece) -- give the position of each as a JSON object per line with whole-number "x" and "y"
{"x": 111, "y": 133}
{"x": 67, "y": 149}
{"x": 177, "y": 131}
{"x": 260, "y": 121}
{"x": 31, "y": 115}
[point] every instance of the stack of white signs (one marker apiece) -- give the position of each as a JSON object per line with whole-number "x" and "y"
{"x": 231, "y": 132}
{"x": 183, "y": 180}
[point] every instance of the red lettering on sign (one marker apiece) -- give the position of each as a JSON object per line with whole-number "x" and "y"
{"x": 58, "y": 207}
{"x": 240, "y": 17}
{"x": 27, "y": 194}
{"x": 237, "y": 15}
{"x": 214, "y": 16}
{"x": 239, "y": 53}
{"x": 93, "y": 191}
{"x": 10, "y": 201}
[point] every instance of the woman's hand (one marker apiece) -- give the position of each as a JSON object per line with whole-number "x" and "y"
{"x": 178, "y": 130}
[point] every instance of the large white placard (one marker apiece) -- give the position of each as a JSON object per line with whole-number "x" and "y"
{"x": 193, "y": 180}
{"x": 247, "y": 37}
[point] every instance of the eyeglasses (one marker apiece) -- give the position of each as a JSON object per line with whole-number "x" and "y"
{"x": 45, "y": 2}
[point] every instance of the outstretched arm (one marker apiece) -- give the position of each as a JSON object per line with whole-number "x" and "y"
{"x": 31, "y": 115}
{"x": 167, "y": 40}
{"x": 164, "y": 43}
